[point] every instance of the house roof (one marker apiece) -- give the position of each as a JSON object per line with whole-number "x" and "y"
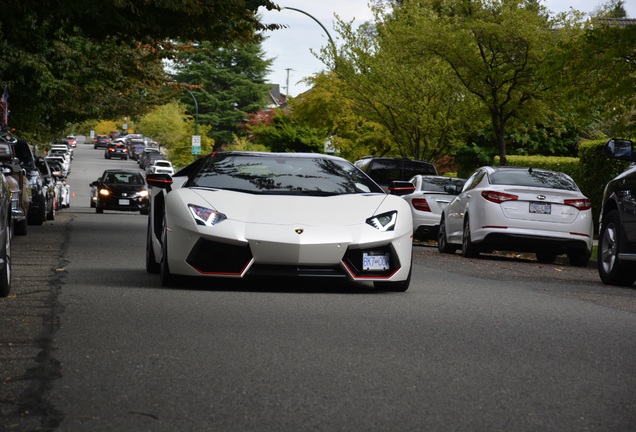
{"x": 617, "y": 22}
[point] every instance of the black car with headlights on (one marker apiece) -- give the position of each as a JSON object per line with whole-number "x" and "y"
{"x": 617, "y": 228}
{"x": 122, "y": 190}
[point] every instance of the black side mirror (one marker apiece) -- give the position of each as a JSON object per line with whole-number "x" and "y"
{"x": 622, "y": 149}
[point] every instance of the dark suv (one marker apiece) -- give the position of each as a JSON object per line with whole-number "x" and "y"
{"x": 385, "y": 170}
{"x": 617, "y": 229}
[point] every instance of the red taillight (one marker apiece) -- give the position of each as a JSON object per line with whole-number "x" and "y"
{"x": 421, "y": 204}
{"x": 498, "y": 197}
{"x": 581, "y": 204}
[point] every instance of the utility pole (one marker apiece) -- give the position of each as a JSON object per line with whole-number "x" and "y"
{"x": 287, "y": 85}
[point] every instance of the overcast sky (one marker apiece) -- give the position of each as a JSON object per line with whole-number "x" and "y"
{"x": 291, "y": 47}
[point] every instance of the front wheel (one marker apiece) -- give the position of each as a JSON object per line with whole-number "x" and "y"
{"x": 152, "y": 266}
{"x": 469, "y": 250}
{"x": 610, "y": 269}
{"x": 400, "y": 286}
{"x": 442, "y": 241}
{"x": 167, "y": 278}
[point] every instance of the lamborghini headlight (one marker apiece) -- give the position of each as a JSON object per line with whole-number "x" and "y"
{"x": 384, "y": 221}
{"x": 206, "y": 216}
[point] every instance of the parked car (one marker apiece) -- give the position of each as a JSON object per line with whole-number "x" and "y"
{"x": 149, "y": 154}
{"x": 385, "y": 170}
{"x": 245, "y": 214}
{"x": 5, "y": 228}
{"x": 522, "y": 210}
{"x": 62, "y": 188}
{"x": 101, "y": 141}
{"x": 116, "y": 150}
{"x": 62, "y": 148}
{"x": 123, "y": 190}
{"x": 18, "y": 185}
{"x": 63, "y": 160}
{"x": 428, "y": 197}
{"x": 41, "y": 198}
{"x": 135, "y": 148}
{"x": 71, "y": 141}
{"x": 616, "y": 258}
{"x": 49, "y": 187}
{"x": 160, "y": 166}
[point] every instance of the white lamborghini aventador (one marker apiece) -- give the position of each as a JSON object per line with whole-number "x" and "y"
{"x": 245, "y": 214}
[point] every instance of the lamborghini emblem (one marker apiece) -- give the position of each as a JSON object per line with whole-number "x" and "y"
{"x": 299, "y": 231}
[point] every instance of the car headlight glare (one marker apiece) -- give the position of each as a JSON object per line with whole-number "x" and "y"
{"x": 384, "y": 221}
{"x": 143, "y": 193}
{"x": 206, "y": 216}
{"x": 104, "y": 192}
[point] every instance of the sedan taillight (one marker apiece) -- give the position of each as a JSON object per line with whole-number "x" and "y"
{"x": 421, "y": 204}
{"x": 581, "y": 204}
{"x": 498, "y": 197}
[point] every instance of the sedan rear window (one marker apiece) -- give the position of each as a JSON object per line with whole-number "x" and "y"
{"x": 533, "y": 178}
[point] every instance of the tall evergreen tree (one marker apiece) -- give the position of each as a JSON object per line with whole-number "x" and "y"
{"x": 227, "y": 84}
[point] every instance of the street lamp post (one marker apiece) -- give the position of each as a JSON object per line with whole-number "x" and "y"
{"x": 333, "y": 45}
{"x": 196, "y": 112}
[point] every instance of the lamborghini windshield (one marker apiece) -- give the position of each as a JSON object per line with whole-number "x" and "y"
{"x": 280, "y": 173}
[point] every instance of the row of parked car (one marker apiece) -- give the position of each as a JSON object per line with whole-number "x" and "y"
{"x": 32, "y": 189}
{"x": 520, "y": 210}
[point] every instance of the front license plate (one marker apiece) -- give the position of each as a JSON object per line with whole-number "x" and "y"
{"x": 124, "y": 202}
{"x": 375, "y": 262}
{"x": 540, "y": 208}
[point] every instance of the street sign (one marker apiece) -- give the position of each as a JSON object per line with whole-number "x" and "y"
{"x": 196, "y": 144}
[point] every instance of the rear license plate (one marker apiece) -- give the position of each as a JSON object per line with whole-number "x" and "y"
{"x": 375, "y": 262}
{"x": 540, "y": 208}
{"x": 124, "y": 202}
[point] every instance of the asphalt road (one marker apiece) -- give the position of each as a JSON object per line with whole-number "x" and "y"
{"x": 91, "y": 342}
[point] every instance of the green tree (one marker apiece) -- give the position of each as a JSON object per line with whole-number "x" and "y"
{"x": 172, "y": 128}
{"x": 283, "y": 134}
{"x": 602, "y": 64}
{"x": 328, "y": 109}
{"x": 70, "y": 61}
{"x": 414, "y": 97}
{"x": 497, "y": 49}
{"x": 228, "y": 84}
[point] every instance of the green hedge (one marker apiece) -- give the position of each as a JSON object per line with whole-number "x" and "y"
{"x": 591, "y": 171}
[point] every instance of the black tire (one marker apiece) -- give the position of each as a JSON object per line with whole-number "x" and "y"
{"x": 167, "y": 278}
{"x": 38, "y": 217}
{"x": 5, "y": 273}
{"x": 50, "y": 215}
{"x": 469, "y": 250}
{"x": 400, "y": 286}
{"x": 546, "y": 257}
{"x": 98, "y": 209}
{"x": 610, "y": 243}
{"x": 579, "y": 259}
{"x": 20, "y": 228}
{"x": 442, "y": 241}
{"x": 152, "y": 266}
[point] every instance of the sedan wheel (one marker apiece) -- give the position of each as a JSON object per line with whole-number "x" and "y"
{"x": 442, "y": 242}
{"x": 546, "y": 257}
{"x": 610, "y": 269}
{"x": 469, "y": 250}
